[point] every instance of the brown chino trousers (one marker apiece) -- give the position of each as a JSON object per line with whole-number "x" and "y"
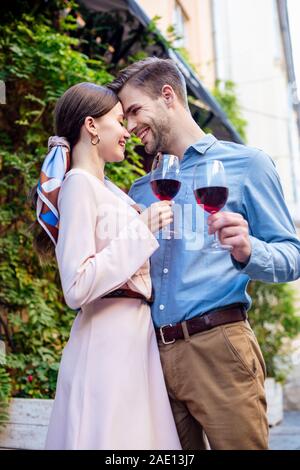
{"x": 215, "y": 381}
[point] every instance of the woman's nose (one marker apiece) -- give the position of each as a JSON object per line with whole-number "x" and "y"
{"x": 131, "y": 125}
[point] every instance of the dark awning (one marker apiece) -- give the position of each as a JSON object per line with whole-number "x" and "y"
{"x": 215, "y": 118}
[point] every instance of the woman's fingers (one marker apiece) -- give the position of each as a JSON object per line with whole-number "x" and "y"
{"x": 158, "y": 215}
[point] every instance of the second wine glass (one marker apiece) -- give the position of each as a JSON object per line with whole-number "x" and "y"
{"x": 211, "y": 192}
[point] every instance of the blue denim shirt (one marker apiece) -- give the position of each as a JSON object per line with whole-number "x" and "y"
{"x": 189, "y": 282}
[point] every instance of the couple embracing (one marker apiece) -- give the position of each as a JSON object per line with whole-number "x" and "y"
{"x": 160, "y": 355}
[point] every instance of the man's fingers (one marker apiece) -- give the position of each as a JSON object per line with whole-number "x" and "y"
{"x": 233, "y": 231}
{"x": 235, "y": 241}
{"x": 226, "y": 219}
{"x": 225, "y": 216}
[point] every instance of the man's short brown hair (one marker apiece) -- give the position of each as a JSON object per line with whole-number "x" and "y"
{"x": 152, "y": 74}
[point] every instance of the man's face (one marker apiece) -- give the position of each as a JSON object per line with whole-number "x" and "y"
{"x": 147, "y": 118}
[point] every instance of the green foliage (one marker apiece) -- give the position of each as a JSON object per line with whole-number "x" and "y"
{"x": 275, "y": 322}
{"x": 5, "y": 391}
{"x": 225, "y": 94}
{"x": 39, "y": 60}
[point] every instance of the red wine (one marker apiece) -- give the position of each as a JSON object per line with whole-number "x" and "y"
{"x": 212, "y": 198}
{"x": 165, "y": 189}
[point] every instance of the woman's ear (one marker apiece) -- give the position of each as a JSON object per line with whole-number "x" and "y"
{"x": 168, "y": 95}
{"x": 90, "y": 125}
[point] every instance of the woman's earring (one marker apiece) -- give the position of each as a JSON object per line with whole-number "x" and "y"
{"x": 93, "y": 139}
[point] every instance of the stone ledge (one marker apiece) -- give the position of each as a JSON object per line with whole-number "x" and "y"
{"x": 28, "y": 424}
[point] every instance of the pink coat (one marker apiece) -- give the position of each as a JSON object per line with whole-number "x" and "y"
{"x": 110, "y": 391}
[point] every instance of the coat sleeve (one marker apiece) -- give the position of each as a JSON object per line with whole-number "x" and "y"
{"x": 85, "y": 273}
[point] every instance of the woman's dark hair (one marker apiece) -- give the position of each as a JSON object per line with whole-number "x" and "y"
{"x": 78, "y": 102}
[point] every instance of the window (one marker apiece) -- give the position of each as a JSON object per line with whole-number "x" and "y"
{"x": 179, "y": 22}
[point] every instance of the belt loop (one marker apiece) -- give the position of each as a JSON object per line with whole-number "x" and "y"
{"x": 207, "y": 321}
{"x": 185, "y": 331}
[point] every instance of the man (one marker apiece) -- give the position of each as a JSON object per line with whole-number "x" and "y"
{"x": 213, "y": 367}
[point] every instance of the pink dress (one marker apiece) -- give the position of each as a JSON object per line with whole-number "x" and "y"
{"x": 110, "y": 391}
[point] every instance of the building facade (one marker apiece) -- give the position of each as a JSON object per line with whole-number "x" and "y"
{"x": 250, "y": 50}
{"x": 192, "y": 20}
{"x": 243, "y": 41}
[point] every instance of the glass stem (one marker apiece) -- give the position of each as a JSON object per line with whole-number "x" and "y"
{"x": 215, "y": 242}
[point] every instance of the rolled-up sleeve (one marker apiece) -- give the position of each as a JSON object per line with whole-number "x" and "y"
{"x": 275, "y": 255}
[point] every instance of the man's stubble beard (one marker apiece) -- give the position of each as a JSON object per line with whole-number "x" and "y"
{"x": 160, "y": 130}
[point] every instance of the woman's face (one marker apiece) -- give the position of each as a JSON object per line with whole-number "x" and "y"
{"x": 112, "y": 134}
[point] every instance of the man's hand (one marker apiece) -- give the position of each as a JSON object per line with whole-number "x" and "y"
{"x": 232, "y": 230}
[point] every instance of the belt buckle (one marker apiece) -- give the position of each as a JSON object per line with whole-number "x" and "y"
{"x": 162, "y": 334}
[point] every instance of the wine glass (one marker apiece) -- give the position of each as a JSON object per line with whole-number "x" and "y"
{"x": 211, "y": 192}
{"x": 165, "y": 177}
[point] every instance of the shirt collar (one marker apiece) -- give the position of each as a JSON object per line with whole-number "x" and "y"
{"x": 201, "y": 146}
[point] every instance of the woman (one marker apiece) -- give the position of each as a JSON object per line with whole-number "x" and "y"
{"x": 110, "y": 390}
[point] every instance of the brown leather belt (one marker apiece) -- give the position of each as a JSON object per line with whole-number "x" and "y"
{"x": 231, "y": 313}
{"x": 127, "y": 293}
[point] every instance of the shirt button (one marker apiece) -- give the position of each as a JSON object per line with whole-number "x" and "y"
{"x": 161, "y": 307}
{"x": 166, "y": 270}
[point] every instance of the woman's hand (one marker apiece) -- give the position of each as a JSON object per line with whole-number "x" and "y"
{"x": 158, "y": 215}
